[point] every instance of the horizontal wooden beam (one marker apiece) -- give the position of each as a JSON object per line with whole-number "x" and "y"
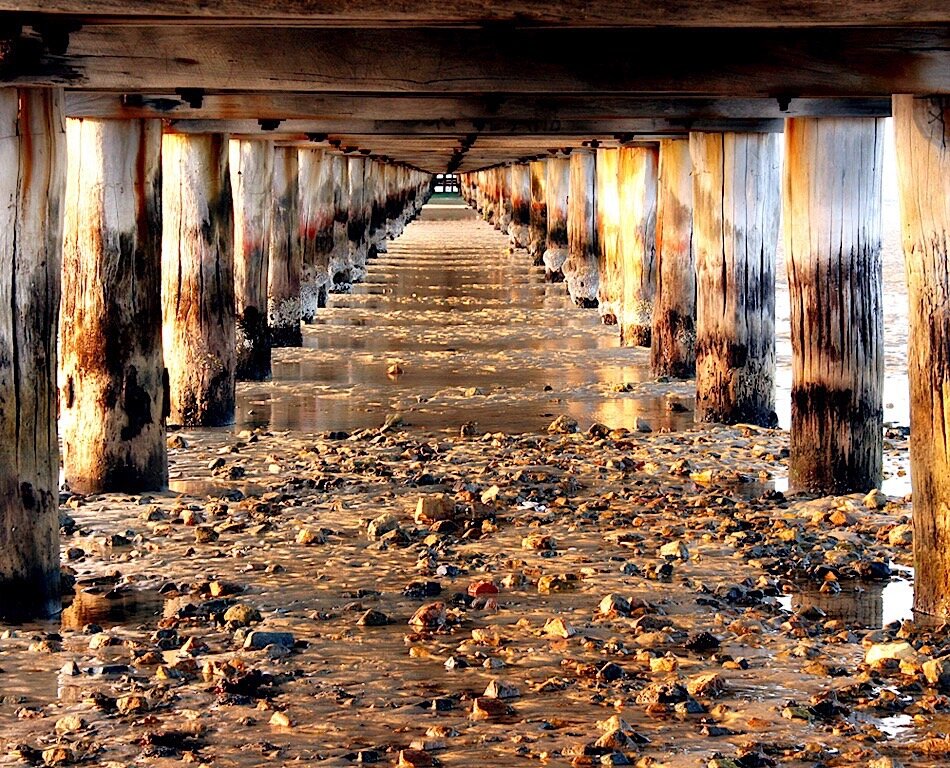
{"x": 500, "y": 128}
{"x": 481, "y": 111}
{"x": 580, "y": 13}
{"x": 699, "y": 62}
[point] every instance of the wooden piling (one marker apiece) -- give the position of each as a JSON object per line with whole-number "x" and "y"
{"x": 610, "y": 293}
{"x": 673, "y": 343}
{"x": 538, "y": 222}
{"x": 285, "y": 258}
{"x": 112, "y": 369}
{"x": 637, "y": 177}
{"x": 316, "y": 229}
{"x": 251, "y": 165}
{"x": 357, "y": 220}
{"x": 198, "y": 279}
{"x": 832, "y": 206}
{"x": 519, "y": 231}
{"x": 736, "y": 205}
{"x": 922, "y": 131}
{"x": 581, "y": 270}
{"x": 557, "y": 187}
{"x": 33, "y": 159}
{"x": 340, "y": 263}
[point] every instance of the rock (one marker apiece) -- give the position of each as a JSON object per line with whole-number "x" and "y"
{"x": 308, "y": 536}
{"x": 642, "y": 425}
{"x": 241, "y": 615}
{"x": 433, "y": 507}
{"x": 58, "y": 756}
{"x": 701, "y": 642}
{"x": 937, "y": 672}
{"x": 480, "y": 588}
{"x": 490, "y": 494}
{"x": 280, "y": 720}
{"x": 415, "y": 758}
{"x": 429, "y": 616}
{"x": 373, "y": 618}
{"x": 558, "y": 627}
{"x": 675, "y": 549}
{"x": 131, "y": 704}
{"x": 498, "y": 689}
{"x": 538, "y": 542}
{"x": 485, "y": 708}
{"x": 901, "y": 535}
{"x": 563, "y": 425}
{"x": 381, "y": 525}
{"x": 614, "y": 605}
{"x": 884, "y": 762}
{"x": 258, "y": 640}
{"x": 875, "y": 500}
{"x": 896, "y": 651}
{"x": 706, "y": 685}
{"x": 70, "y": 724}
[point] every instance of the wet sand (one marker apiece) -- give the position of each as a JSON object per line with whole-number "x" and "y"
{"x": 557, "y": 580}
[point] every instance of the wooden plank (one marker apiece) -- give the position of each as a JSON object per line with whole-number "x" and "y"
{"x": 482, "y": 111}
{"x": 712, "y": 62}
{"x": 603, "y": 13}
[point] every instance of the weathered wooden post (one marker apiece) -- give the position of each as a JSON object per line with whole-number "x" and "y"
{"x": 377, "y": 207}
{"x": 392, "y": 204}
{"x": 557, "y": 187}
{"x": 519, "y": 231}
{"x": 252, "y": 174}
{"x": 922, "y": 131}
{"x": 285, "y": 259}
{"x": 832, "y": 199}
{"x": 112, "y": 370}
{"x": 673, "y": 343}
{"x": 340, "y": 264}
{"x": 198, "y": 279}
{"x": 581, "y": 270}
{"x": 736, "y": 206}
{"x": 33, "y": 158}
{"x": 357, "y": 219}
{"x": 505, "y": 203}
{"x": 637, "y": 174}
{"x": 610, "y": 294}
{"x": 316, "y": 229}
{"x": 538, "y": 222}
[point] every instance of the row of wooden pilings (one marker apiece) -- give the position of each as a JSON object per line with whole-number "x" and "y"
{"x": 177, "y": 262}
{"x": 675, "y": 242}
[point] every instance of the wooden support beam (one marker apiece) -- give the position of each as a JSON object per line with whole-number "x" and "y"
{"x": 610, "y": 293}
{"x": 520, "y": 205}
{"x": 557, "y": 187}
{"x": 832, "y": 209}
{"x": 736, "y": 206}
{"x": 637, "y": 174}
{"x": 581, "y": 270}
{"x": 922, "y": 131}
{"x": 673, "y": 343}
{"x": 198, "y": 280}
{"x": 33, "y": 162}
{"x": 316, "y": 229}
{"x": 357, "y": 218}
{"x": 285, "y": 255}
{"x": 465, "y": 113}
{"x": 521, "y": 14}
{"x": 538, "y": 220}
{"x": 340, "y": 259}
{"x": 252, "y": 177}
{"x": 710, "y": 61}
{"x": 113, "y": 399}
